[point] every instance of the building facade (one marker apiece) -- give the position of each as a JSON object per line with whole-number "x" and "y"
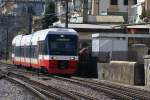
{"x": 102, "y": 7}
{"x": 20, "y": 7}
{"x": 112, "y": 7}
{"x": 147, "y": 3}
{"x": 140, "y": 12}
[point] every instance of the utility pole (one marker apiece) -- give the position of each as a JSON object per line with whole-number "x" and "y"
{"x": 98, "y": 7}
{"x": 7, "y": 48}
{"x": 85, "y": 11}
{"x": 66, "y": 24}
{"x": 30, "y": 12}
{"x": 6, "y": 23}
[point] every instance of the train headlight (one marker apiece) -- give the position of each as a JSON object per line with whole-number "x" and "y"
{"x": 53, "y": 57}
{"x": 73, "y": 58}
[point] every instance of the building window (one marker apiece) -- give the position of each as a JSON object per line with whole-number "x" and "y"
{"x": 135, "y": 1}
{"x": 125, "y": 2}
{"x": 114, "y": 2}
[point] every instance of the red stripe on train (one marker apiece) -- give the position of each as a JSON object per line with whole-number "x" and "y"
{"x": 51, "y": 66}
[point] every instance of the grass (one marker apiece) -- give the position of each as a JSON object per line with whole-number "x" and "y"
{"x": 6, "y": 61}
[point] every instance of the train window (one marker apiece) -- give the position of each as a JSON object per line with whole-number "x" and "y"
{"x": 25, "y": 51}
{"x": 45, "y": 44}
{"x": 28, "y": 51}
{"x": 13, "y": 49}
{"x": 42, "y": 47}
{"x": 31, "y": 51}
{"x": 17, "y": 51}
{"x": 22, "y": 51}
{"x": 34, "y": 51}
{"x": 66, "y": 45}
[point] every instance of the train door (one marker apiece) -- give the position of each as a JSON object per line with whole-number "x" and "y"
{"x": 37, "y": 53}
{"x": 30, "y": 54}
{"x": 40, "y": 53}
{"x": 24, "y": 55}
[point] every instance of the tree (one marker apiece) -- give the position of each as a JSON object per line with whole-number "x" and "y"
{"x": 145, "y": 16}
{"x": 50, "y": 16}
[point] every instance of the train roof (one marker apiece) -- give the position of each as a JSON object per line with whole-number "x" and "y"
{"x": 16, "y": 39}
{"x": 41, "y": 35}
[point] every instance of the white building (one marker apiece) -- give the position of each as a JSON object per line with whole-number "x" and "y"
{"x": 109, "y": 6}
{"x": 136, "y": 11}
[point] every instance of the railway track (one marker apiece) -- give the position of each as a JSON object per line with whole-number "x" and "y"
{"x": 116, "y": 91}
{"x": 43, "y": 89}
{"x": 113, "y": 90}
{"x": 43, "y": 94}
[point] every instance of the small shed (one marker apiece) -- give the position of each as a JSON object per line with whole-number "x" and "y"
{"x": 110, "y": 46}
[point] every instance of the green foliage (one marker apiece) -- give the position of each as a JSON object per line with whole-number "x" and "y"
{"x": 50, "y": 16}
{"x": 22, "y": 31}
{"x": 143, "y": 15}
{"x": 147, "y": 13}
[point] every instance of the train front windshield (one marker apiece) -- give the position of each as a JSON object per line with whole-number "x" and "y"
{"x": 63, "y": 44}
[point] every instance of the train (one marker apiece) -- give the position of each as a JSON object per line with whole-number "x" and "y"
{"x": 53, "y": 51}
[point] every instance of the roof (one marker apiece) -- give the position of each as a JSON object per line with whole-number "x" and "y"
{"x": 41, "y": 35}
{"x": 106, "y": 19}
{"x": 88, "y": 26}
{"x": 16, "y": 40}
{"x": 139, "y": 26}
{"x": 112, "y": 35}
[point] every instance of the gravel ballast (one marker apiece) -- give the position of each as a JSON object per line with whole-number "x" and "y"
{"x": 11, "y": 91}
{"x": 80, "y": 89}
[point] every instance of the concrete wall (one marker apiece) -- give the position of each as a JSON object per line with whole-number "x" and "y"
{"x": 121, "y": 71}
{"x": 147, "y": 70}
{"x": 139, "y": 50}
{"x": 104, "y": 57}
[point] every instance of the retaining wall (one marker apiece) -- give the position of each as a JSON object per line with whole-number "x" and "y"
{"x": 147, "y": 70}
{"x": 122, "y": 72}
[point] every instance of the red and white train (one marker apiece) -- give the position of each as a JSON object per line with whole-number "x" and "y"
{"x": 55, "y": 50}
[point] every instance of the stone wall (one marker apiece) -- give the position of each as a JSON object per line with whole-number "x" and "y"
{"x": 122, "y": 72}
